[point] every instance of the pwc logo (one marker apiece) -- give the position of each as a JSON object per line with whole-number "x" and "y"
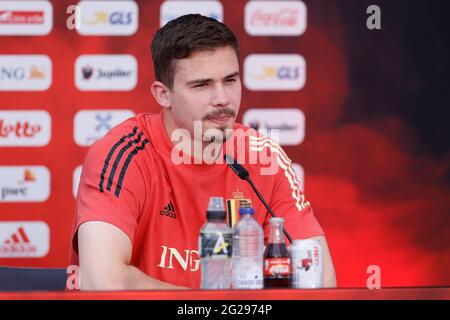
{"x": 24, "y": 239}
{"x": 290, "y": 123}
{"x": 173, "y": 9}
{"x": 274, "y": 72}
{"x": 25, "y": 72}
{"x": 91, "y": 125}
{"x": 116, "y": 18}
{"x": 24, "y": 184}
{"x": 30, "y": 18}
{"x": 31, "y": 128}
{"x": 106, "y": 72}
{"x": 275, "y": 18}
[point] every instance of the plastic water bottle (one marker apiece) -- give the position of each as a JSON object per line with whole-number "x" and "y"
{"x": 248, "y": 252}
{"x": 215, "y": 247}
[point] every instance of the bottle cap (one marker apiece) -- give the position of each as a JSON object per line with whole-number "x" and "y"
{"x": 216, "y": 209}
{"x": 276, "y": 220}
{"x": 249, "y": 210}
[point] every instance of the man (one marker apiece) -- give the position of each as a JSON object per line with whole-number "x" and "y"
{"x": 144, "y": 192}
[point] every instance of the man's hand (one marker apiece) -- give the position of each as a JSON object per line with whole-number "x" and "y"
{"x": 105, "y": 253}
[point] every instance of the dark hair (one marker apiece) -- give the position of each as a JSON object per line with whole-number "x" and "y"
{"x": 181, "y": 37}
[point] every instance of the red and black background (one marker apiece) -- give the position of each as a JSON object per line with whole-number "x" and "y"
{"x": 375, "y": 155}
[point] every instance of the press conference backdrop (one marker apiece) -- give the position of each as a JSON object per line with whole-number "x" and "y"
{"x": 358, "y": 108}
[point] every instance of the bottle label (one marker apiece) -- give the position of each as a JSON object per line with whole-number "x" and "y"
{"x": 277, "y": 267}
{"x": 218, "y": 243}
{"x": 248, "y": 277}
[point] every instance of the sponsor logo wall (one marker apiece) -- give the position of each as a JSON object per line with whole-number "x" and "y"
{"x": 31, "y": 18}
{"x": 275, "y": 18}
{"x": 61, "y": 89}
{"x": 290, "y": 123}
{"x": 24, "y": 239}
{"x": 264, "y": 72}
{"x": 30, "y": 128}
{"x": 106, "y": 72}
{"x": 24, "y": 184}
{"x": 91, "y": 125}
{"x": 119, "y": 18}
{"x": 173, "y": 9}
{"x": 25, "y": 72}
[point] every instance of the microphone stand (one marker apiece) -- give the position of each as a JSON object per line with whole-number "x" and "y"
{"x": 244, "y": 175}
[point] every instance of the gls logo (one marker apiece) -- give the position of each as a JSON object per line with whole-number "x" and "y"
{"x": 274, "y": 72}
{"x": 25, "y": 72}
{"x": 173, "y": 9}
{"x": 275, "y": 18}
{"x": 91, "y": 125}
{"x": 20, "y": 18}
{"x": 106, "y": 18}
{"x": 31, "y": 128}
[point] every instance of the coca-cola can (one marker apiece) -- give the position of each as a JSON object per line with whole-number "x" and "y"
{"x": 307, "y": 264}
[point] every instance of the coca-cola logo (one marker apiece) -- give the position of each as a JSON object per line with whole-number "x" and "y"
{"x": 282, "y": 17}
{"x": 275, "y": 18}
{"x": 21, "y": 129}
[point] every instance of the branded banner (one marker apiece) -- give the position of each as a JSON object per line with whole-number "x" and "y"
{"x": 352, "y": 92}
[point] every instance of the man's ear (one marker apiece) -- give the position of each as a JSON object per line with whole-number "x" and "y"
{"x": 161, "y": 93}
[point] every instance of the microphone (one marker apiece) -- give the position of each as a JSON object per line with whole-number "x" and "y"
{"x": 237, "y": 168}
{"x": 242, "y": 173}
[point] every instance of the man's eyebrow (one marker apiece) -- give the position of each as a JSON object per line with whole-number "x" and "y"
{"x": 196, "y": 81}
{"x": 232, "y": 75}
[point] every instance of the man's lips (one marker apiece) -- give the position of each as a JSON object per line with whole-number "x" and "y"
{"x": 221, "y": 119}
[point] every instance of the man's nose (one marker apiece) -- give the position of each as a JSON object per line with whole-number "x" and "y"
{"x": 220, "y": 96}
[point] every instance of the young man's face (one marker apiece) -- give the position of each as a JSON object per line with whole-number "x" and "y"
{"x": 206, "y": 88}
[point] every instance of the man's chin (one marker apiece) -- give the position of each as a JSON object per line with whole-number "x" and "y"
{"x": 217, "y": 134}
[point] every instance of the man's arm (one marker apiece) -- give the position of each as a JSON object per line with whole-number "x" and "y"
{"x": 104, "y": 256}
{"x": 329, "y": 275}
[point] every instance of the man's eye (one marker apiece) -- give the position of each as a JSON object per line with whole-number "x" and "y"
{"x": 200, "y": 85}
{"x": 231, "y": 80}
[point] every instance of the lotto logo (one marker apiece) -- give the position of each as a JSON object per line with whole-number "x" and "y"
{"x": 30, "y": 128}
